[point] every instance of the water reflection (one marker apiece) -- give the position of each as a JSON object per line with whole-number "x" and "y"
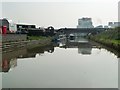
{"x": 64, "y": 64}
{"x": 84, "y": 50}
{"x": 9, "y": 59}
{"x": 83, "y": 45}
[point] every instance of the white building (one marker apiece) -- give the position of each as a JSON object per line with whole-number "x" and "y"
{"x": 113, "y": 24}
{"x": 11, "y": 26}
{"x": 85, "y": 23}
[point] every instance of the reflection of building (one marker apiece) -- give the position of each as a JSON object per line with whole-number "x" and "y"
{"x": 84, "y": 47}
{"x": 85, "y": 23}
{"x": 84, "y": 50}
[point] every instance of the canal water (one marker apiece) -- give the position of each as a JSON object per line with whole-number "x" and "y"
{"x": 64, "y": 64}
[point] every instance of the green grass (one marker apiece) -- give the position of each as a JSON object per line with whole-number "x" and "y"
{"x": 110, "y": 37}
{"x": 115, "y": 41}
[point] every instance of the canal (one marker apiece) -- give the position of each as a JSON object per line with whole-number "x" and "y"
{"x": 75, "y": 63}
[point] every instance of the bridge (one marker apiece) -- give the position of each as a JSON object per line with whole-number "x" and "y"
{"x": 81, "y": 31}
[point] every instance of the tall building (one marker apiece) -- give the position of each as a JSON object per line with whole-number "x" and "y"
{"x": 85, "y": 23}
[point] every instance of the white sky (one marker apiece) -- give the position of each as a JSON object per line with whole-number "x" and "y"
{"x": 60, "y": 13}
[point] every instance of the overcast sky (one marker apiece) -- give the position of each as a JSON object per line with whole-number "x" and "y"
{"x": 60, "y": 13}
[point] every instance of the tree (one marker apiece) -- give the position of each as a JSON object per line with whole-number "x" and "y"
{"x": 50, "y": 31}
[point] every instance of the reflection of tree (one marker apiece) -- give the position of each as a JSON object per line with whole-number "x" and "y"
{"x": 51, "y": 50}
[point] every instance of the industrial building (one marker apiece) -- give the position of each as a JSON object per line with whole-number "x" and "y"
{"x": 113, "y": 24}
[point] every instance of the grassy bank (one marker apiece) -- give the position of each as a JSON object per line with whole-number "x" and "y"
{"x": 110, "y": 38}
{"x": 37, "y": 37}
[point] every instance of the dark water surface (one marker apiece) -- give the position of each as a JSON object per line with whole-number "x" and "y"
{"x": 67, "y": 64}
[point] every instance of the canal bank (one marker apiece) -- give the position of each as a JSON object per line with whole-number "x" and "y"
{"x": 20, "y": 41}
{"x": 109, "y": 38}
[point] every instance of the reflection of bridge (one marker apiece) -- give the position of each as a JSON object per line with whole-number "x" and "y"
{"x": 84, "y": 48}
{"x": 85, "y": 31}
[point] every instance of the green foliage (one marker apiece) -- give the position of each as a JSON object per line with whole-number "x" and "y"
{"x": 110, "y": 34}
{"x": 110, "y": 37}
{"x": 113, "y": 34}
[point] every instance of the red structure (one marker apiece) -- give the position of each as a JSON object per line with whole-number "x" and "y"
{"x": 4, "y": 29}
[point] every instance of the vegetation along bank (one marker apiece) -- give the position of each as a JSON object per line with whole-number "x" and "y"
{"x": 110, "y": 38}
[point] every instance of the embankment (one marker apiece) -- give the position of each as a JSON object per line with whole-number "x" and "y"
{"x": 18, "y": 41}
{"x": 110, "y": 38}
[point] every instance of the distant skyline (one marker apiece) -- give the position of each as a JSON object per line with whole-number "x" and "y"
{"x": 60, "y": 14}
